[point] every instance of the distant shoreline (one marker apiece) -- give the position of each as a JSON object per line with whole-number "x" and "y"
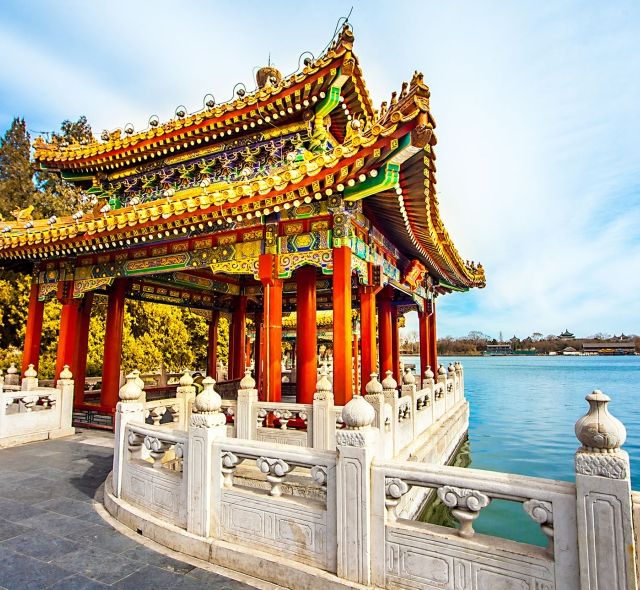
{"x": 559, "y": 355}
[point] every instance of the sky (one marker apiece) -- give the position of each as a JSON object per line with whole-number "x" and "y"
{"x": 537, "y": 108}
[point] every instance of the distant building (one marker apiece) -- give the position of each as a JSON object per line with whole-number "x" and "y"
{"x": 570, "y": 351}
{"x": 627, "y": 347}
{"x": 499, "y": 349}
{"x": 567, "y": 335}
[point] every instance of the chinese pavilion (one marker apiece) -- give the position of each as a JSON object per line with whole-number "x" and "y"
{"x": 297, "y": 196}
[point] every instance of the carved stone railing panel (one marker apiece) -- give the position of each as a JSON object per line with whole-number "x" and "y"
{"x": 542, "y": 513}
{"x": 466, "y": 492}
{"x": 272, "y": 519}
{"x": 465, "y": 506}
{"x": 153, "y": 475}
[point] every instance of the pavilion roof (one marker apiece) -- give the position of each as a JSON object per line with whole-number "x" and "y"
{"x": 250, "y": 111}
{"x": 401, "y": 133}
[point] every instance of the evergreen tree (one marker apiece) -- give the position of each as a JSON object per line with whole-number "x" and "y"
{"x": 57, "y": 196}
{"x": 17, "y": 190}
{"x": 154, "y": 334}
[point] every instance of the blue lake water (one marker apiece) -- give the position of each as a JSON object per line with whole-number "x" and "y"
{"x": 523, "y": 412}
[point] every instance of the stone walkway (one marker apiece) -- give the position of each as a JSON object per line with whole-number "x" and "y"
{"x": 52, "y": 537}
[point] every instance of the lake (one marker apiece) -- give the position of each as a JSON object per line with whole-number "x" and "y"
{"x": 523, "y": 412}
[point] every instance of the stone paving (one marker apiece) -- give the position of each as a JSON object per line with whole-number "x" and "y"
{"x": 52, "y": 538}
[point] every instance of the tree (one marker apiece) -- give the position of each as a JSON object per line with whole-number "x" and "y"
{"x": 16, "y": 175}
{"x": 537, "y": 336}
{"x": 477, "y": 336}
{"x": 57, "y": 196}
{"x": 153, "y": 333}
{"x": 14, "y": 299}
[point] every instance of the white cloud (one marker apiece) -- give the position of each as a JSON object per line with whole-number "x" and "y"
{"x": 536, "y": 106}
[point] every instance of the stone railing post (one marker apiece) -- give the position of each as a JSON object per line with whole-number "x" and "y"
{"x": 459, "y": 384}
{"x": 129, "y": 409}
{"x": 65, "y": 387}
{"x": 140, "y": 383}
{"x": 247, "y": 398}
{"x": 324, "y": 424}
{"x": 383, "y": 420}
{"x": 440, "y": 391}
{"x": 356, "y": 446}
{"x": 206, "y": 424}
{"x": 428, "y": 383}
{"x": 390, "y": 387}
{"x": 375, "y": 396}
{"x": 390, "y": 392}
{"x": 30, "y": 379}
{"x": 13, "y": 377}
{"x": 604, "y": 512}
{"x": 186, "y": 393}
{"x": 1, "y": 381}
{"x": 409, "y": 388}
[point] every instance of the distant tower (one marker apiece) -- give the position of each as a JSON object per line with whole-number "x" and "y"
{"x": 501, "y": 336}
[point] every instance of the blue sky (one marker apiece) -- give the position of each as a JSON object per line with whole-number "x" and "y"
{"x": 537, "y": 105}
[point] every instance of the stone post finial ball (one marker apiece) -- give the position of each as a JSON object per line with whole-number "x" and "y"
{"x": 247, "y": 382}
{"x": 374, "y": 386}
{"x": 31, "y": 372}
{"x": 358, "y": 413}
{"x": 139, "y": 381}
{"x": 208, "y": 401}
{"x": 64, "y": 374}
{"x": 408, "y": 378}
{"x": 441, "y": 370}
{"x": 130, "y": 391}
{"x": 428, "y": 374}
{"x": 12, "y": 370}
{"x": 186, "y": 380}
{"x": 389, "y": 382}
{"x": 598, "y": 430}
{"x": 323, "y": 383}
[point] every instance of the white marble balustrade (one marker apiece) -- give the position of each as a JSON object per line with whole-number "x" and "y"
{"x": 305, "y": 516}
{"x": 29, "y": 412}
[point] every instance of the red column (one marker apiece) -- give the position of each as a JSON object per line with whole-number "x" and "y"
{"x": 385, "y": 330}
{"x": 433, "y": 343}
{"x": 79, "y": 367}
{"x": 212, "y": 345}
{"x": 369, "y": 357}
{"x": 356, "y": 362}
{"x": 342, "y": 328}
{"x": 239, "y": 326}
{"x": 232, "y": 345}
{"x": 113, "y": 344}
{"x": 67, "y": 335}
{"x": 247, "y": 353}
{"x": 395, "y": 343}
{"x": 257, "y": 351}
{"x": 272, "y": 341}
{"x": 306, "y": 335}
{"x": 423, "y": 323}
{"x": 33, "y": 335}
